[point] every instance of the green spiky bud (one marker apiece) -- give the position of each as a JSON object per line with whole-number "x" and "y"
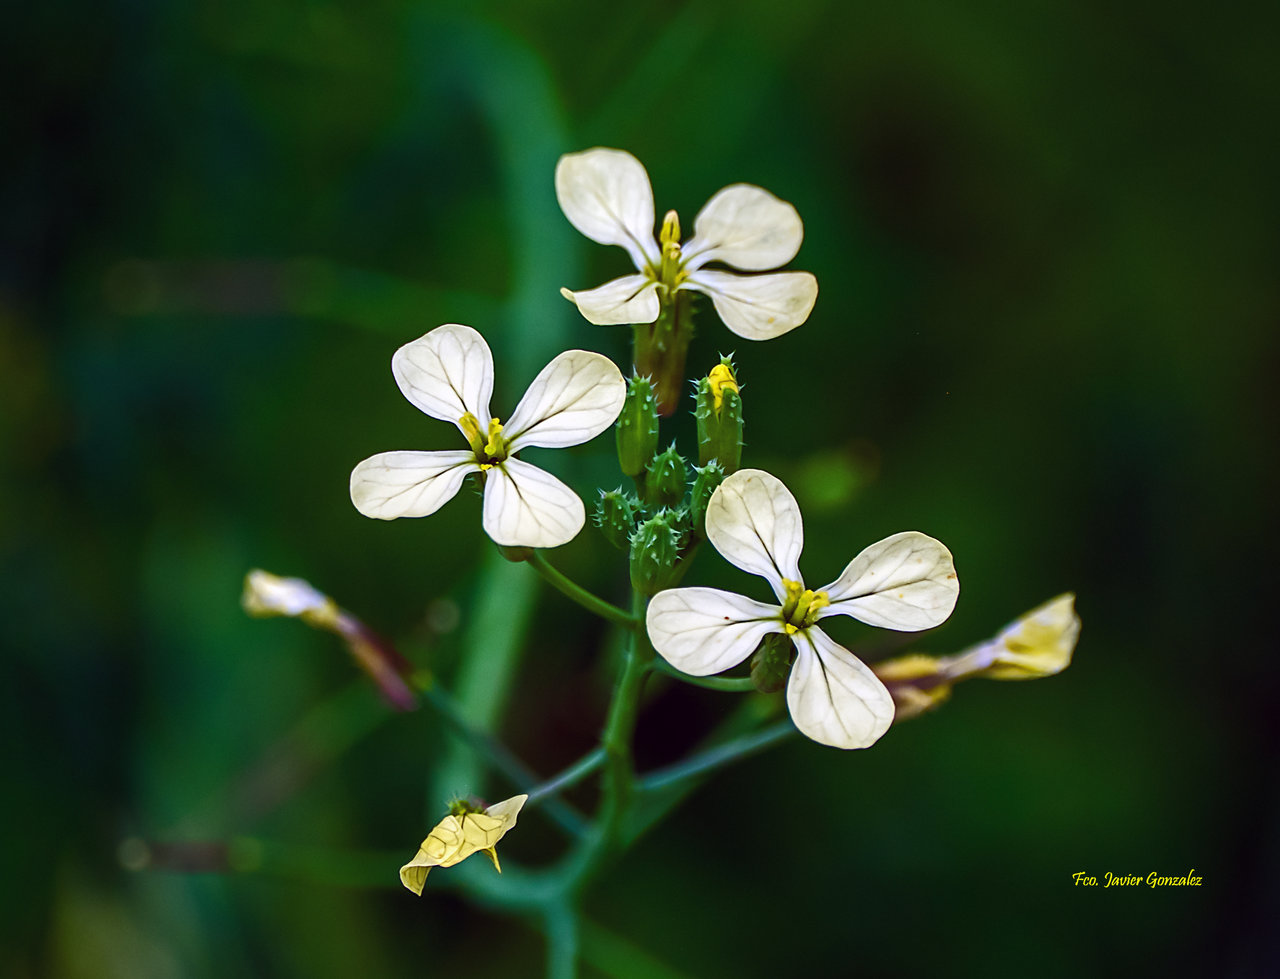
{"x": 655, "y": 551}
{"x": 771, "y": 663}
{"x": 666, "y": 478}
{"x": 719, "y": 417}
{"x": 705, "y": 480}
{"x": 637, "y": 427}
{"x": 616, "y": 517}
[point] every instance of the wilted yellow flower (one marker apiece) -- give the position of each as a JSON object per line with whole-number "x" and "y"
{"x": 466, "y": 830}
{"x": 1039, "y": 643}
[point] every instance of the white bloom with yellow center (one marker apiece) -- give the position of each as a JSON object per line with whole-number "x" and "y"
{"x": 606, "y": 195}
{"x": 448, "y": 374}
{"x": 905, "y": 582}
{"x": 466, "y": 830}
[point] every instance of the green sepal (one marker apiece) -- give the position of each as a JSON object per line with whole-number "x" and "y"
{"x": 771, "y": 663}
{"x": 705, "y": 480}
{"x": 637, "y": 427}
{"x": 615, "y": 515}
{"x": 655, "y": 550}
{"x": 666, "y": 478}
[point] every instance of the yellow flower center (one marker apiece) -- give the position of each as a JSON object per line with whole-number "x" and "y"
{"x": 489, "y": 446}
{"x": 801, "y": 608}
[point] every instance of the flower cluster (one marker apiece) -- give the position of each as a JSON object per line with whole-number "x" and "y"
{"x": 670, "y": 507}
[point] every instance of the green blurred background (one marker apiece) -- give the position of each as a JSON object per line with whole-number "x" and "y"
{"x": 1046, "y": 335}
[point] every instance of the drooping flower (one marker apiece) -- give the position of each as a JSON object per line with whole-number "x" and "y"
{"x": 448, "y": 374}
{"x": 905, "y": 582}
{"x": 267, "y": 595}
{"x": 1037, "y": 644}
{"x": 605, "y": 194}
{"x": 466, "y": 830}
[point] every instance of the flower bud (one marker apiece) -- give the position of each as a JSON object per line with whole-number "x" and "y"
{"x": 616, "y": 517}
{"x": 719, "y": 417}
{"x": 637, "y": 427}
{"x": 655, "y": 551}
{"x": 267, "y": 595}
{"x": 771, "y": 663}
{"x": 666, "y": 478}
{"x": 705, "y": 480}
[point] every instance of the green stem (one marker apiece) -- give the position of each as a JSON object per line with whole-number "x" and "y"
{"x": 716, "y": 757}
{"x": 562, "y": 940}
{"x": 570, "y": 777}
{"x": 500, "y": 757}
{"x": 731, "y": 684}
{"x": 577, "y": 593}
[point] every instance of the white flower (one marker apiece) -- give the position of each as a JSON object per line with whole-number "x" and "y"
{"x": 606, "y": 195}
{"x": 448, "y": 374}
{"x": 905, "y": 582}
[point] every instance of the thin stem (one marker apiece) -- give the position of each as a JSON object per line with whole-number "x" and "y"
{"x": 570, "y": 777}
{"x": 500, "y": 757}
{"x": 577, "y": 593}
{"x": 562, "y": 941}
{"x": 730, "y": 684}
{"x": 716, "y": 757}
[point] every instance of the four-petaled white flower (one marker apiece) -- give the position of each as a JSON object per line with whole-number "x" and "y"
{"x": 606, "y": 195}
{"x": 905, "y": 582}
{"x": 448, "y": 374}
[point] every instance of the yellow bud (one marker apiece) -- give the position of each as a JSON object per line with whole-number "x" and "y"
{"x": 722, "y": 379}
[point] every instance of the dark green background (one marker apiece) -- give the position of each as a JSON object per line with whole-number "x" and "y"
{"x": 1046, "y": 335}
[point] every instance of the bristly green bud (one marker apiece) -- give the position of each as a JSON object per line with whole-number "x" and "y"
{"x": 771, "y": 663}
{"x": 655, "y": 551}
{"x": 705, "y": 480}
{"x": 616, "y": 517}
{"x": 719, "y": 416}
{"x": 637, "y": 427}
{"x": 666, "y": 479}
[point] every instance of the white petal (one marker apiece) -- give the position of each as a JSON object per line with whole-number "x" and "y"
{"x": 447, "y": 373}
{"x": 606, "y": 195}
{"x": 905, "y": 582}
{"x": 747, "y": 227}
{"x": 525, "y": 506}
{"x": 574, "y": 398}
{"x": 834, "y": 697}
{"x": 754, "y": 522}
{"x": 701, "y": 631}
{"x": 631, "y": 299}
{"x": 409, "y": 484}
{"x": 758, "y": 307}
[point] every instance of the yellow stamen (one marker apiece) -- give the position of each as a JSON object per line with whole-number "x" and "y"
{"x": 496, "y": 447}
{"x": 470, "y": 426}
{"x": 801, "y": 608}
